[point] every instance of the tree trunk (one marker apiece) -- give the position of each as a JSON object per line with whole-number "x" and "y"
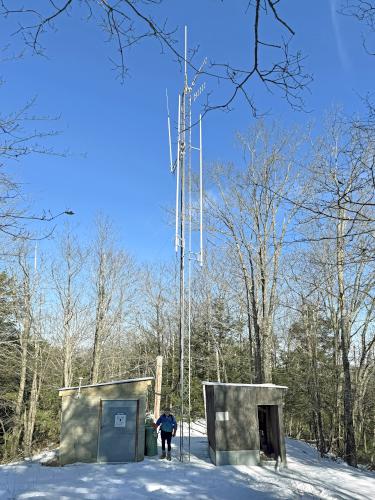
{"x": 24, "y": 344}
{"x": 350, "y": 453}
{"x": 99, "y": 321}
{"x": 31, "y": 415}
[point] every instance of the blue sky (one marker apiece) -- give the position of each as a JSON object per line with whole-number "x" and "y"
{"x": 117, "y": 135}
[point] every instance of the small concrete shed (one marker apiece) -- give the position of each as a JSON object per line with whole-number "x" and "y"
{"x": 103, "y": 422}
{"x": 244, "y": 423}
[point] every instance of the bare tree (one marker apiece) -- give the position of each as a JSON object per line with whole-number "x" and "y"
{"x": 25, "y": 318}
{"x": 113, "y": 269}
{"x": 346, "y": 224}
{"x": 19, "y": 140}
{"x": 39, "y": 365}
{"x": 251, "y": 218}
{"x": 364, "y": 12}
{"x": 156, "y": 300}
{"x": 67, "y": 279}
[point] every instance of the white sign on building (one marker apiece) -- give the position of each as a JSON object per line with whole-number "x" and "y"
{"x": 120, "y": 420}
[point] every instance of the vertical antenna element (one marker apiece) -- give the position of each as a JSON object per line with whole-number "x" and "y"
{"x": 169, "y": 134}
{"x": 201, "y": 190}
{"x": 189, "y": 278}
{"x": 178, "y": 172}
{"x": 185, "y": 56}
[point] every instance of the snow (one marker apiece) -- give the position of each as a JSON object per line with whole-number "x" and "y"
{"x": 307, "y": 477}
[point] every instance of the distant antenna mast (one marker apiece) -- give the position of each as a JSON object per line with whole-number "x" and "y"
{"x": 183, "y": 167}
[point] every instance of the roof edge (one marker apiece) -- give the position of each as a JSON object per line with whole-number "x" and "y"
{"x": 270, "y": 386}
{"x": 114, "y": 382}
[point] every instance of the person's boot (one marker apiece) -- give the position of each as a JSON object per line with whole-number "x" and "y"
{"x": 162, "y": 454}
{"x": 169, "y": 456}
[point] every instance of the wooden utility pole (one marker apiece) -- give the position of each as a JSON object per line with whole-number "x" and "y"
{"x": 158, "y": 379}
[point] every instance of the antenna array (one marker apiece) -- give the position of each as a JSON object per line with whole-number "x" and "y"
{"x": 183, "y": 169}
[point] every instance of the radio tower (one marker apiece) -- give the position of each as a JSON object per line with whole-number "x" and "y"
{"x": 183, "y": 168}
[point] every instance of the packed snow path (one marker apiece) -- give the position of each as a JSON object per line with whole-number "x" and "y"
{"x": 307, "y": 477}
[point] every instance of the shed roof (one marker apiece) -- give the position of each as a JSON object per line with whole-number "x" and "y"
{"x": 114, "y": 382}
{"x": 272, "y": 386}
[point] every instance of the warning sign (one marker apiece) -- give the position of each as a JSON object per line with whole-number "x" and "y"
{"x": 120, "y": 420}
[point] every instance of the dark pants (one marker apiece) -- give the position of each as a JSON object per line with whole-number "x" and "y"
{"x": 166, "y": 436}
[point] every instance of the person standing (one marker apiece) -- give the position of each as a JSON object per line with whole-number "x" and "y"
{"x": 168, "y": 429}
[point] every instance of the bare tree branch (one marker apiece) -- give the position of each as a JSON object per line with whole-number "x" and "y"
{"x": 128, "y": 22}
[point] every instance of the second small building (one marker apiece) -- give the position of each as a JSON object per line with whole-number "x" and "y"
{"x": 245, "y": 423}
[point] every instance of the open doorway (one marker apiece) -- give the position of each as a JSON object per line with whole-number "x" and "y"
{"x": 269, "y": 431}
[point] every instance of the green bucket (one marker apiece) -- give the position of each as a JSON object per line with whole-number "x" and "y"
{"x": 151, "y": 442}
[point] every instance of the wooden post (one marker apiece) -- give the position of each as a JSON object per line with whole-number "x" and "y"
{"x": 158, "y": 378}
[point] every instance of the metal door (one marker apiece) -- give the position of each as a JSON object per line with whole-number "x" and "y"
{"x": 269, "y": 429}
{"x": 118, "y": 431}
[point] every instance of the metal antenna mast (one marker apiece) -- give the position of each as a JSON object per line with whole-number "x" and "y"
{"x": 183, "y": 168}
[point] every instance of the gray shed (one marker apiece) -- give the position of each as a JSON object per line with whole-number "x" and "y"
{"x": 244, "y": 423}
{"x": 103, "y": 422}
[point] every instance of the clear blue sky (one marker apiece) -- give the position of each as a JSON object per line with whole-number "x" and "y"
{"x": 116, "y": 134}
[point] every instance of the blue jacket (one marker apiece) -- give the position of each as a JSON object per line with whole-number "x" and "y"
{"x": 167, "y": 423}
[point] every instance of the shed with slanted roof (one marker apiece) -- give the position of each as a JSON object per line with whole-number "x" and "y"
{"x": 103, "y": 422}
{"x": 245, "y": 423}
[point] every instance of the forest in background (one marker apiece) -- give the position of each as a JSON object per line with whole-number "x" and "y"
{"x": 286, "y": 295}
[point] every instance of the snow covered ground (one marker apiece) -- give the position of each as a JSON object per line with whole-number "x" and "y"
{"x": 307, "y": 477}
